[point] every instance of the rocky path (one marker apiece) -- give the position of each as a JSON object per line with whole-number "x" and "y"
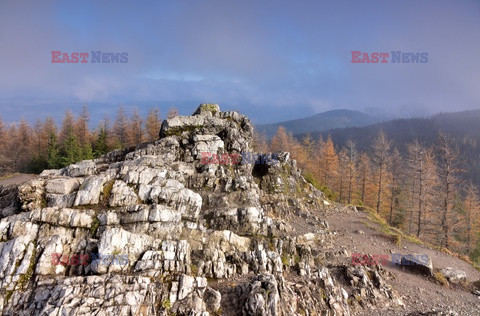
{"x": 420, "y": 294}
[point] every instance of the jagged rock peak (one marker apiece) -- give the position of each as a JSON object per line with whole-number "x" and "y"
{"x": 233, "y": 128}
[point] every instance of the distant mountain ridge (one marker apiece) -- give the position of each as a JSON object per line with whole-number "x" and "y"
{"x": 322, "y": 121}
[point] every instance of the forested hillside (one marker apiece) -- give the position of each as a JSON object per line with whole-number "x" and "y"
{"x": 422, "y": 187}
{"x": 31, "y": 149}
{"x": 464, "y": 127}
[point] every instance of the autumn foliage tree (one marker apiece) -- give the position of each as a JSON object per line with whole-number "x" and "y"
{"x": 67, "y": 127}
{"x": 135, "y": 129}
{"x": 351, "y": 166}
{"x": 328, "y": 163}
{"x": 24, "y": 148}
{"x": 120, "y": 129}
{"x": 381, "y": 154}
{"x": 421, "y": 177}
{"x": 82, "y": 133}
{"x": 281, "y": 141}
{"x": 472, "y": 217}
{"x": 395, "y": 184}
{"x": 260, "y": 142}
{"x": 364, "y": 178}
{"x": 3, "y": 148}
{"x": 449, "y": 170}
{"x": 153, "y": 124}
{"x": 172, "y": 112}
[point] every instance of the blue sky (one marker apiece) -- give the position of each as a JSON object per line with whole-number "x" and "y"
{"x": 272, "y": 60}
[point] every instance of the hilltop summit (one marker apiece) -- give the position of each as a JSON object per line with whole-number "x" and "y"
{"x": 155, "y": 230}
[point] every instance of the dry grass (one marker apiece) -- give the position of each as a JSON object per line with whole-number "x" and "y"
{"x": 397, "y": 236}
{"x": 440, "y": 278}
{"x": 394, "y": 233}
{"x": 8, "y": 176}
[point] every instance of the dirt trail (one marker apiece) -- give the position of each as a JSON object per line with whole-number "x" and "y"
{"x": 419, "y": 293}
{"x": 16, "y": 179}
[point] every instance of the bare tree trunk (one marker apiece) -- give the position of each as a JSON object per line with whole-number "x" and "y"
{"x": 364, "y": 183}
{"x": 381, "y": 149}
{"x": 392, "y": 197}
{"x": 469, "y": 225}
{"x": 379, "y": 193}
{"x": 449, "y": 170}
{"x": 350, "y": 183}
{"x": 420, "y": 198}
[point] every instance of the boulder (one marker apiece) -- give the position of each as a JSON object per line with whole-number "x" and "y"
{"x": 454, "y": 275}
{"x": 81, "y": 169}
{"x": 421, "y": 263}
{"x": 62, "y": 186}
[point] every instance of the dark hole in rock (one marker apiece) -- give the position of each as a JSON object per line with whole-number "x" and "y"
{"x": 259, "y": 170}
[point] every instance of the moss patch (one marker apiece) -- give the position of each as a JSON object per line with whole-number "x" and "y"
{"x": 166, "y": 304}
{"x": 210, "y": 107}
{"x": 194, "y": 270}
{"x": 24, "y": 278}
{"x": 8, "y": 296}
{"x": 95, "y": 225}
{"x": 107, "y": 190}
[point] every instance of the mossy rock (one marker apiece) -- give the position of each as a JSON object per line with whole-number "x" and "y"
{"x": 207, "y": 108}
{"x": 177, "y": 131}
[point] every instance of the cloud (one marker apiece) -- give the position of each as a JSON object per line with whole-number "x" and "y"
{"x": 254, "y": 56}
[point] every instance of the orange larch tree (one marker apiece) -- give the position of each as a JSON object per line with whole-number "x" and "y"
{"x": 153, "y": 124}
{"x": 381, "y": 155}
{"x": 364, "y": 179}
{"x": 472, "y": 214}
{"x": 120, "y": 129}
{"x": 352, "y": 158}
{"x": 135, "y": 128}
{"x": 449, "y": 171}
{"x": 328, "y": 163}
{"x": 281, "y": 141}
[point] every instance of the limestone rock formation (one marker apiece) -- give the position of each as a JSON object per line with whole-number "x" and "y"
{"x": 154, "y": 231}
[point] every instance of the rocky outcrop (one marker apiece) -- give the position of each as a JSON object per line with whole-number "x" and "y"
{"x": 154, "y": 231}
